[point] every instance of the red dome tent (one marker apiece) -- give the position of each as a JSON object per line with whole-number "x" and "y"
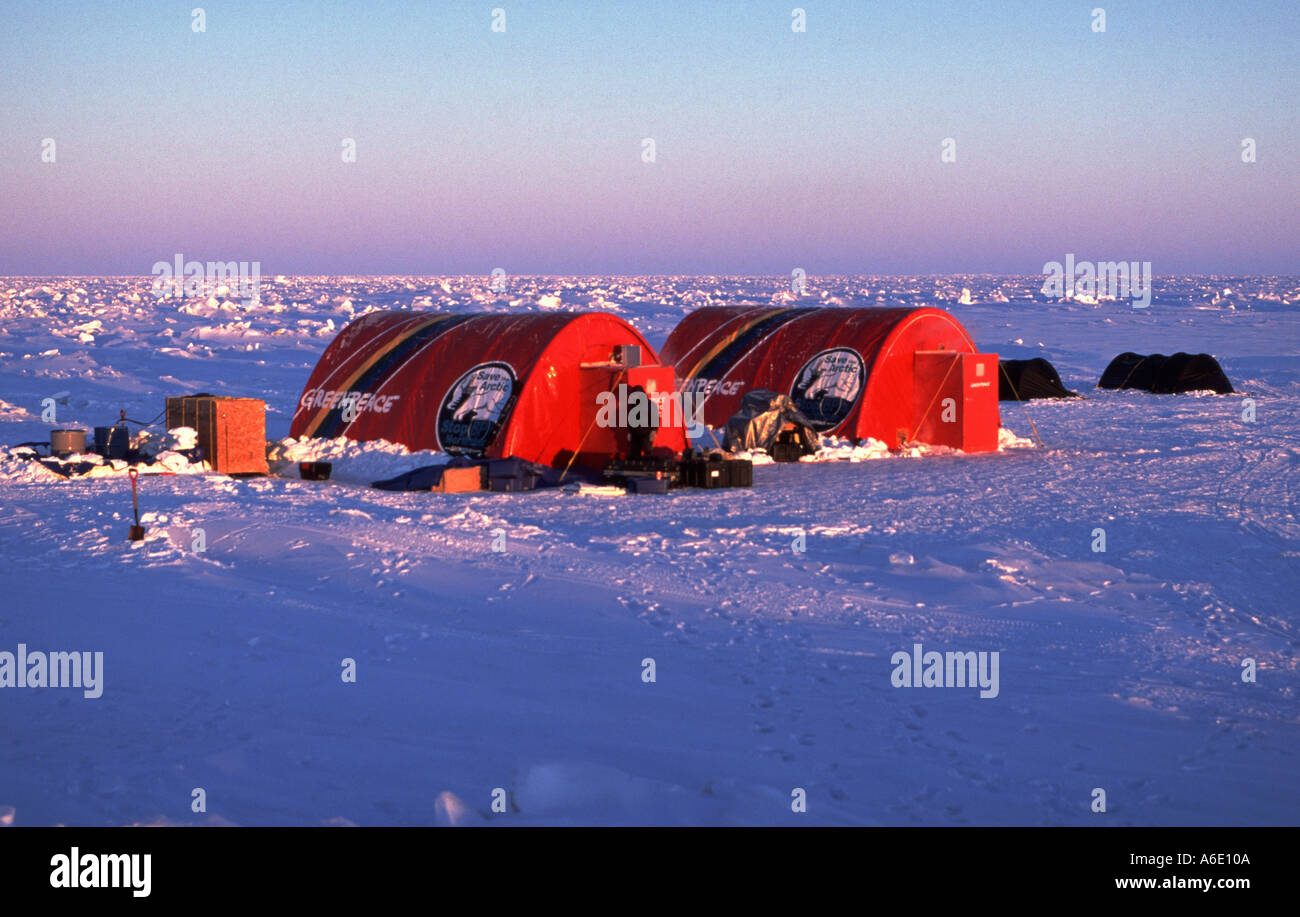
{"x": 488, "y": 385}
{"x": 894, "y": 375}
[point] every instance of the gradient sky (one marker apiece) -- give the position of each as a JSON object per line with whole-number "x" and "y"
{"x": 775, "y": 150}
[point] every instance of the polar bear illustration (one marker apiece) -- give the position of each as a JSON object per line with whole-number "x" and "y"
{"x": 480, "y": 395}
{"x": 832, "y": 375}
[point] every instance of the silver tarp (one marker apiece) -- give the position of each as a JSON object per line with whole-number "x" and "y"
{"x": 761, "y": 418}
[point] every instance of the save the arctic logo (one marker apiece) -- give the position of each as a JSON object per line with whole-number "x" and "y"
{"x": 828, "y": 386}
{"x": 474, "y": 408}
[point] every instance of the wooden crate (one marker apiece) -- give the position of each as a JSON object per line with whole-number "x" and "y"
{"x": 459, "y": 480}
{"x": 232, "y": 431}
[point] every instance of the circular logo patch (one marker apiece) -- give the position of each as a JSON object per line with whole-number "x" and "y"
{"x": 828, "y": 386}
{"x": 474, "y": 409}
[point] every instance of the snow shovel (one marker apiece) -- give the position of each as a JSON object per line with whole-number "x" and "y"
{"x": 137, "y": 530}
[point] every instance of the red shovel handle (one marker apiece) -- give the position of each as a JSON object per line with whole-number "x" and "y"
{"x": 135, "y": 502}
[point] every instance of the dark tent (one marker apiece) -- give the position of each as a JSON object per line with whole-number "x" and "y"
{"x": 1132, "y": 370}
{"x": 505, "y": 474}
{"x": 1182, "y": 372}
{"x": 1021, "y": 380}
{"x": 1185, "y": 372}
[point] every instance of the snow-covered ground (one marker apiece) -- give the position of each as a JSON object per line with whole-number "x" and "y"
{"x": 523, "y": 669}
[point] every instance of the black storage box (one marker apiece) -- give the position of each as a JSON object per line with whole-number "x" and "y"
{"x": 645, "y": 484}
{"x": 716, "y": 472}
{"x": 786, "y": 452}
{"x": 314, "y": 471}
{"x": 510, "y": 475}
{"x": 789, "y": 447}
{"x": 625, "y": 471}
{"x": 741, "y": 472}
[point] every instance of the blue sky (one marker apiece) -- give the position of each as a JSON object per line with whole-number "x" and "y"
{"x": 774, "y": 149}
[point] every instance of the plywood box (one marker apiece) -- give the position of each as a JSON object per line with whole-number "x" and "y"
{"x": 232, "y": 431}
{"x": 459, "y": 480}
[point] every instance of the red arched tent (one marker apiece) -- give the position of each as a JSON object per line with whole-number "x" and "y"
{"x": 895, "y": 375}
{"x": 488, "y": 385}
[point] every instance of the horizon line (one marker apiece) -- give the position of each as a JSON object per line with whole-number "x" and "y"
{"x": 489, "y": 276}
